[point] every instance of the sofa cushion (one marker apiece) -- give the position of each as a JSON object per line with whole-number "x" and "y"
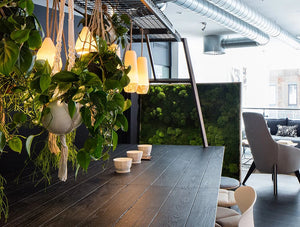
{"x": 272, "y": 124}
{"x": 284, "y": 130}
{"x": 295, "y": 122}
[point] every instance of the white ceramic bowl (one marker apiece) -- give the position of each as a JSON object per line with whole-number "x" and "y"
{"x": 135, "y": 155}
{"x": 122, "y": 165}
{"x": 146, "y": 148}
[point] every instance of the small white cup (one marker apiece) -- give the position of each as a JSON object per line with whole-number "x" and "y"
{"x": 146, "y": 148}
{"x": 135, "y": 155}
{"x": 122, "y": 165}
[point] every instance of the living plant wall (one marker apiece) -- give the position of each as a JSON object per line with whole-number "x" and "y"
{"x": 169, "y": 116}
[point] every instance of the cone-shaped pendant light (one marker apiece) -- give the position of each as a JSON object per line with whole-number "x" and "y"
{"x": 130, "y": 60}
{"x": 47, "y": 52}
{"x": 85, "y": 42}
{"x": 143, "y": 84}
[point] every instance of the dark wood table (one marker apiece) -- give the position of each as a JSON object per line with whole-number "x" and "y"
{"x": 177, "y": 187}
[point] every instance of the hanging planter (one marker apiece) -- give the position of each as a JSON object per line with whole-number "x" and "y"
{"x": 58, "y": 119}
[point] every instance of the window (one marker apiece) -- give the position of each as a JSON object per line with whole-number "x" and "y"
{"x": 272, "y": 95}
{"x": 292, "y": 94}
{"x": 162, "y": 72}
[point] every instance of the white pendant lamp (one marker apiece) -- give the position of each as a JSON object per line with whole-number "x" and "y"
{"x": 47, "y": 52}
{"x": 143, "y": 81}
{"x": 85, "y": 42}
{"x": 143, "y": 84}
{"x": 130, "y": 60}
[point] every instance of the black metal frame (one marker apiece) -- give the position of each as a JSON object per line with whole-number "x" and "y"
{"x": 145, "y": 15}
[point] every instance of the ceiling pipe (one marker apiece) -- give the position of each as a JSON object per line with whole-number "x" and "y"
{"x": 218, "y": 15}
{"x": 245, "y": 13}
{"x": 216, "y": 45}
{"x": 238, "y": 43}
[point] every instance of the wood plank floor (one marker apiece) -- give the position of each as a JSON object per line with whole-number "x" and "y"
{"x": 280, "y": 211}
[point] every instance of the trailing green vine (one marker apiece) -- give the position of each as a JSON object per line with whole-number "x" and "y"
{"x": 3, "y": 199}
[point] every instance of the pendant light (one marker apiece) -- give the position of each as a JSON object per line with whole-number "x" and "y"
{"x": 143, "y": 84}
{"x": 130, "y": 60}
{"x": 85, "y": 42}
{"x": 47, "y": 50}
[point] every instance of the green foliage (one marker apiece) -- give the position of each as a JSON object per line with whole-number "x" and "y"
{"x": 27, "y": 87}
{"x": 169, "y": 116}
{"x": 3, "y": 199}
{"x": 19, "y": 35}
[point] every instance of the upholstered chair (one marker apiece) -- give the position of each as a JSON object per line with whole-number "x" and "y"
{"x": 245, "y": 197}
{"x": 268, "y": 155}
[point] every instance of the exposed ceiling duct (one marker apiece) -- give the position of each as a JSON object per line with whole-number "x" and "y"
{"x": 218, "y": 15}
{"x": 212, "y": 45}
{"x": 216, "y": 45}
{"x": 245, "y": 13}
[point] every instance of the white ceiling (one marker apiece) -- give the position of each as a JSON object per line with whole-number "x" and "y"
{"x": 286, "y": 13}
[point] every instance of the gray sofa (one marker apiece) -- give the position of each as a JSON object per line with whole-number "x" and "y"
{"x": 273, "y": 126}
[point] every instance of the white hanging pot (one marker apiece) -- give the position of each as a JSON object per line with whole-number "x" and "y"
{"x": 59, "y": 121}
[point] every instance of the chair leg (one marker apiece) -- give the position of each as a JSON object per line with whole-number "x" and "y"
{"x": 252, "y": 168}
{"x": 297, "y": 175}
{"x": 275, "y": 179}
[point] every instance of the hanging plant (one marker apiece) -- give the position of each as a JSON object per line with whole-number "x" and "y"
{"x": 34, "y": 93}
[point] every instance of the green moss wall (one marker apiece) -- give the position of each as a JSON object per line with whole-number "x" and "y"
{"x": 169, "y": 116}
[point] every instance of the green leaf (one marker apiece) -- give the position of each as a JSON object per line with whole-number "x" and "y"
{"x": 28, "y": 143}
{"x": 65, "y": 76}
{"x": 99, "y": 98}
{"x": 99, "y": 120}
{"x": 72, "y": 108}
{"x": 92, "y": 79}
{"x": 15, "y": 144}
{"x": 26, "y": 5}
{"x": 115, "y": 139}
{"x": 127, "y": 104}
{"x": 26, "y": 60}
{"x": 9, "y": 53}
{"x": 34, "y": 40}
{"x": 19, "y": 117}
{"x": 122, "y": 122}
{"x": 119, "y": 101}
{"x": 78, "y": 96}
{"x": 124, "y": 81}
{"x": 111, "y": 84}
{"x": 83, "y": 159}
{"x": 125, "y": 18}
{"x": 45, "y": 81}
{"x": 86, "y": 116}
{"x": 44, "y": 99}
{"x": 2, "y": 141}
{"x": 18, "y": 89}
{"x": 20, "y": 36}
{"x": 35, "y": 84}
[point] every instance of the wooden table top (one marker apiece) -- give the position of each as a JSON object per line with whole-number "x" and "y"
{"x": 177, "y": 187}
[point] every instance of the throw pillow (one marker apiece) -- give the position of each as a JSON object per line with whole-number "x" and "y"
{"x": 284, "y": 130}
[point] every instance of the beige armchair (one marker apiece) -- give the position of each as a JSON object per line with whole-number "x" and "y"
{"x": 269, "y": 156}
